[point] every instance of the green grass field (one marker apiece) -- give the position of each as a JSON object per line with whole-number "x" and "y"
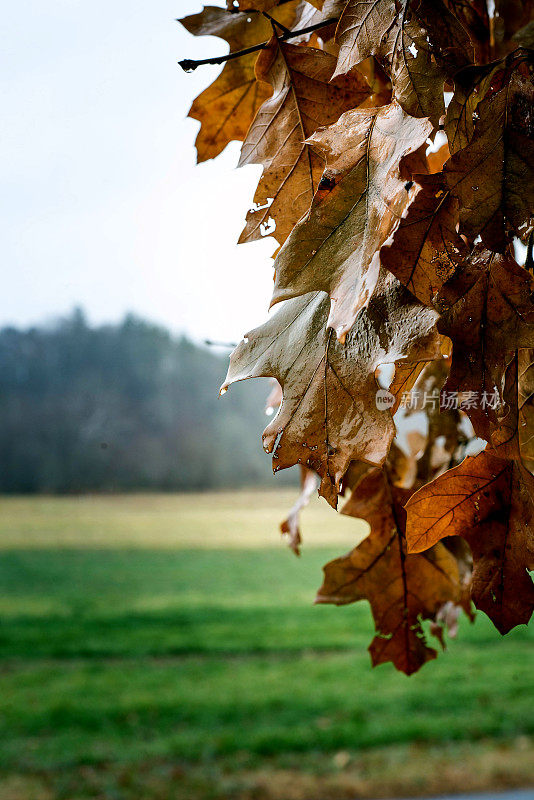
{"x": 167, "y": 647}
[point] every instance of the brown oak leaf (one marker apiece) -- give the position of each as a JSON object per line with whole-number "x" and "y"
{"x": 437, "y": 158}
{"x": 525, "y": 35}
{"x": 402, "y": 589}
{"x": 525, "y": 365}
{"x": 489, "y": 501}
{"x": 406, "y": 375}
{"x": 418, "y": 44}
{"x": 226, "y": 109}
{"x": 487, "y": 312}
{"x": 359, "y": 202}
{"x": 491, "y": 175}
{"x": 303, "y": 100}
{"x": 404, "y": 380}
{"x": 445, "y": 437}
{"x": 424, "y": 250}
{"x": 512, "y": 435}
{"x": 290, "y": 526}
{"x": 329, "y": 415}
{"x": 473, "y": 15}
{"x": 470, "y": 87}
{"x": 511, "y": 16}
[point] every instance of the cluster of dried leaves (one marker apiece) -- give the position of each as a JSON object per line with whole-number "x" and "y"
{"x": 397, "y": 144}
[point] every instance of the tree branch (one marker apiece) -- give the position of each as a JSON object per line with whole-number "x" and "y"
{"x": 188, "y": 65}
{"x": 275, "y": 24}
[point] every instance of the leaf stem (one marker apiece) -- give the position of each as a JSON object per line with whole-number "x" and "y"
{"x": 188, "y": 65}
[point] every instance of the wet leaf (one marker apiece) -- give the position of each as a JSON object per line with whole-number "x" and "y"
{"x": 418, "y": 43}
{"x": 359, "y": 202}
{"x": 510, "y": 17}
{"x": 303, "y": 100}
{"x": 489, "y": 501}
{"x": 402, "y": 589}
{"x": 425, "y": 249}
{"x": 487, "y": 312}
{"x": 526, "y": 406}
{"x": 329, "y": 415}
{"x": 290, "y": 527}
{"x": 226, "y": 109}
{"x": 491, "y": 175}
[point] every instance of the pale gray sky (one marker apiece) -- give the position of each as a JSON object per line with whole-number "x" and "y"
{"x": 102, "y": 203}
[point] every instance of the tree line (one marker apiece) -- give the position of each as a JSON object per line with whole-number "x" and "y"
{"x": 122, "y": 407}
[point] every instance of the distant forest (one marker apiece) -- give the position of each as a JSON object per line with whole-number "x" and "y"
{"x": 123, "y": 407}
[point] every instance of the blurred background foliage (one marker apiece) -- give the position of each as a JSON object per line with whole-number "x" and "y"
{"x": 123, "y": 407}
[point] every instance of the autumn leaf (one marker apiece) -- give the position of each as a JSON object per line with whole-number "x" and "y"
{"x": 226, "y": 109}
{"x": 470, "y": 87}
{"x": 274, "y": 398}
{"x": 407, "y": 374}
{"x": 491, "y": 175}
{"x": 290, "y": 526}
{"x": 425, "y": 249}
{"x": 303, "y": 100}
{"x": 359, "y": 202}
{"x": 510, "y": 17}
{"x": 354, "y": 474}
{"x": 511, "y": 434}
{"x": 416, "y": 43}
{"x": 489, "y": 501}
{"x": 450, "y": 613}
{"x": 525, "y": 389}
{"x": 402, "y": 589}
{"x": 437, "y": 158}
{"x": 329, "y": 414}
{"x": 487, "y": 312}
{"x": 403, "y": 381}
{"x": 445, "y": 436}
{"x": 473, "y": 15}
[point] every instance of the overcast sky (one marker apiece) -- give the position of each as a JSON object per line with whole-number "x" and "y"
{"x": 102, "y": 203}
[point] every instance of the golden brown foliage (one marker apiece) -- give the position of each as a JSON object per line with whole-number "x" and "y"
{"x": 402, "y": 589}
{"x": 487, "y": 311}
{"x": 401, "y": 291}
{"x": 489, "y": 502}
{"x": 227, "y": 107}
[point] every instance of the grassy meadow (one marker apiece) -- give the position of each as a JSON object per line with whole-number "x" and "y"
{"x": 165, "y": 647}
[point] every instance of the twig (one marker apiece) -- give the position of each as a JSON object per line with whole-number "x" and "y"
{"x": 226, "y": 345}
{"x": 188, "y": 65}
{"x": 275, "y": 24}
